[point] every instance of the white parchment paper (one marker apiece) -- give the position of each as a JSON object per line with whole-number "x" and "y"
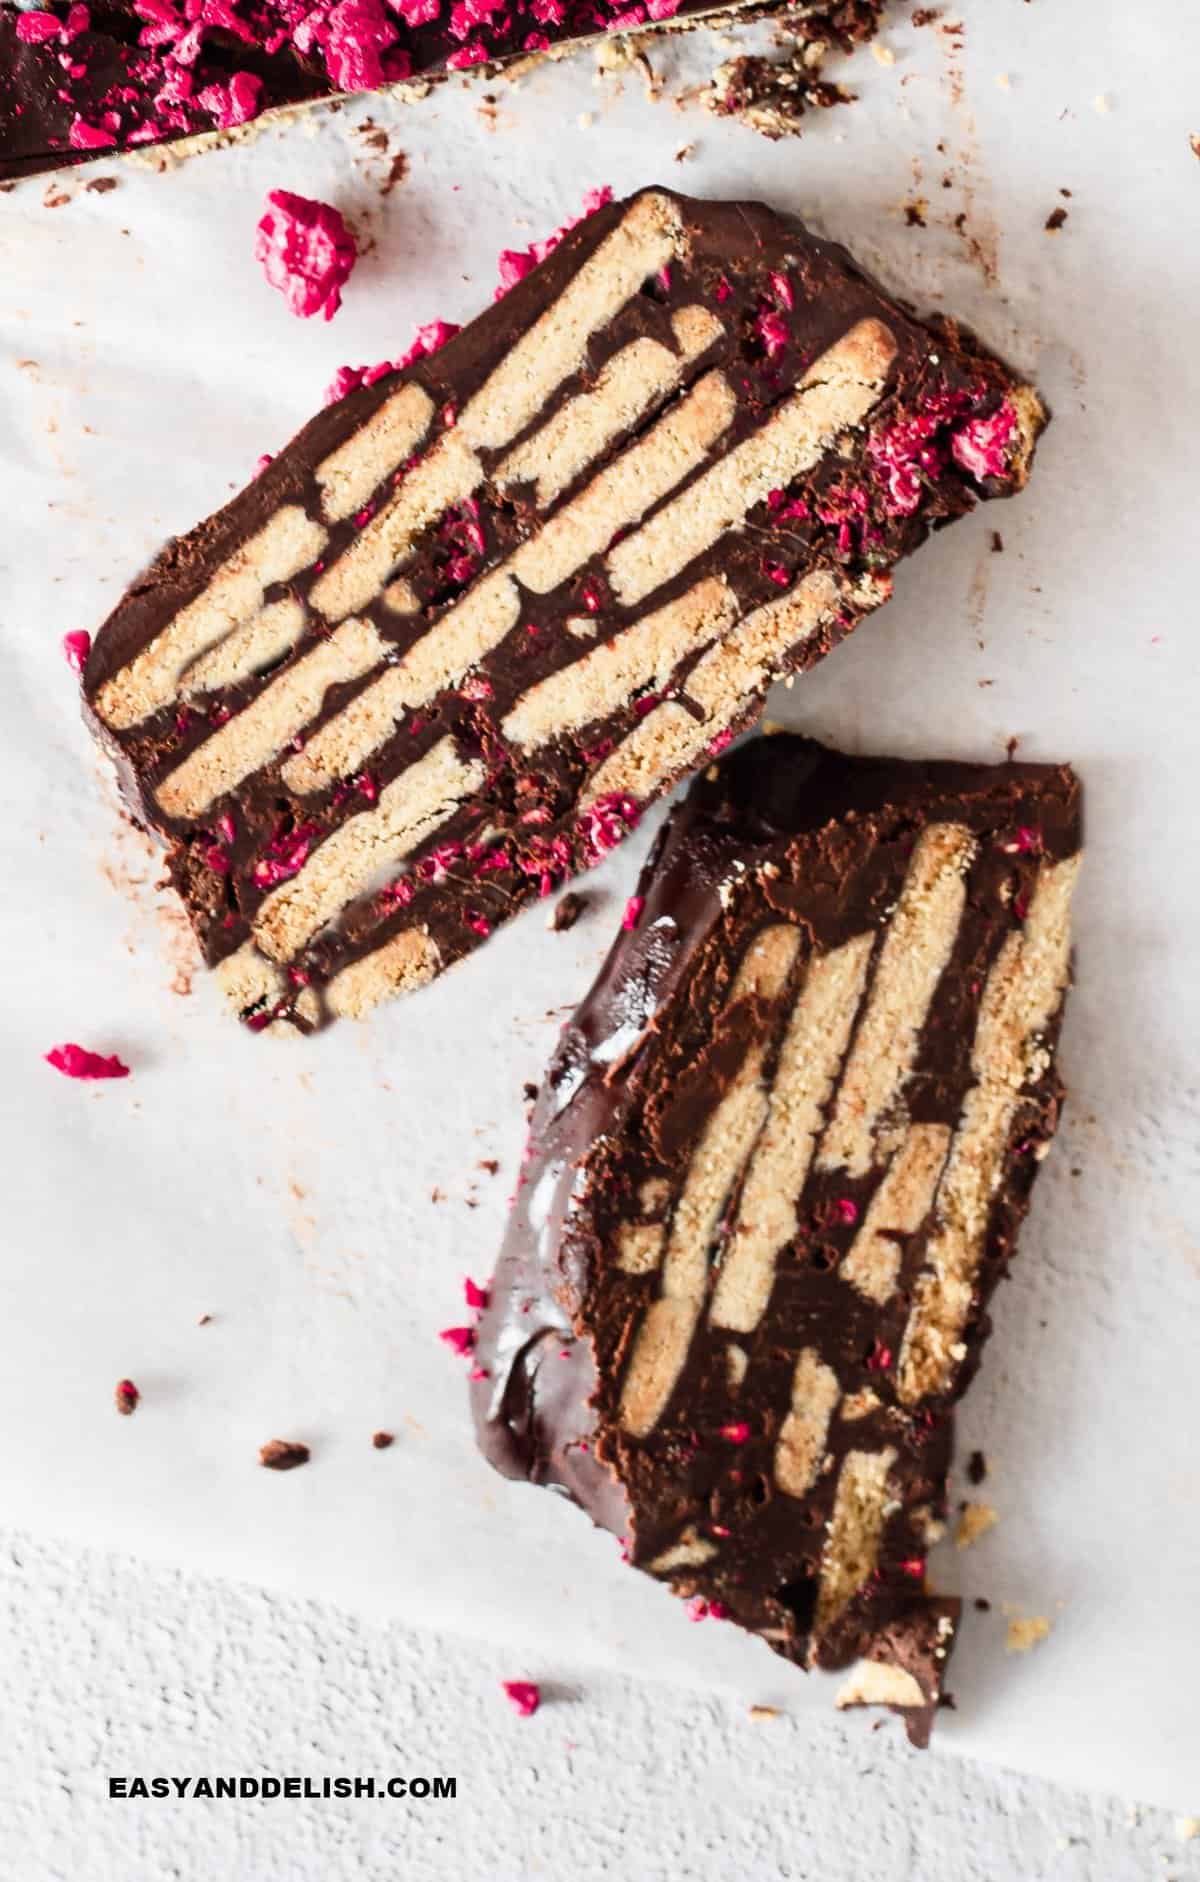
{"x": 323, "y": 1201}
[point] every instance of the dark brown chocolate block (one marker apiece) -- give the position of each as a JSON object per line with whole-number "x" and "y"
{"x": 775, "y": 1171}
{"x": 78, "y": 81}
{"x": 443, "y": 652}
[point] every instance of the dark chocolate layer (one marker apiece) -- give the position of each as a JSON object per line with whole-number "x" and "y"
{"x": 485, "y": 612}
{"x": 776, "y": 1169}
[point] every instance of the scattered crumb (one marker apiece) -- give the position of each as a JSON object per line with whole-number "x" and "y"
{"x": 523, "y": 1695}
{"x": 529, "y": 1092}
{"x": 1055, "y": 220}
{"x": 975, "y": 1521}
{"x": 1025, "y": 1632}
{"x": 1102, "y": 103}
{"x": 55, "y": 198}
{"x": 396, "y": 172}
{"x": 205, "y": 1320}
{"x": 1010, "y": 748}
{"x": 1194, "y": 141}
{"x": 925, "y": 16}
{"x": 765, "y": 1712}
{"x": 283, "y": 1454}
{"x": 882, "y": 54}
{"x": 567, "y": 911}
{"x": 437, "y": 1195}
{"x": 997, "y": 543}
{"x": 983, "y": 1605}
{"x": 1003, "y": 81}
{"x": 915, "y": 212}
{"x": 1187, "y": 1828}
{"x": 383, "y": 1440}
{"x": 126, "y": 1397}
{"x": 490, "y": 1164}
{"x": 977, "y": 1468}
{"x": 684, "y": 152}
{"x": 585, "y": 120}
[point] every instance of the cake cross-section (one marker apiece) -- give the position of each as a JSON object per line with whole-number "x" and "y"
{"x": 776, "y": 1169}
{"x": 446, "y": 648}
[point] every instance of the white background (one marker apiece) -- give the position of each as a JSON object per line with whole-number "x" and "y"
{"x": 287, "y": 1189}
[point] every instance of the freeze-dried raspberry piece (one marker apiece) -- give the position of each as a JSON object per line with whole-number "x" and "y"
{"x": 306, "y": 251}
{"x": 523, "y": 1695}
{"x": 77, "y": 1062}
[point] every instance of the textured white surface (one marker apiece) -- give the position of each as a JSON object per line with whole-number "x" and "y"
{"x": 122, "y": 1669}
{"x": 143, "y": 367}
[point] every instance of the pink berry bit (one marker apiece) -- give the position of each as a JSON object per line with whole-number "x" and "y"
{"x": 78, "y": 645}
{"x": 306, "y": 251}
{"x": 981, "y": 447}
{"x": 523, "y": 1695}
{"x": 847, "y": 1210}
{"x": 879, "y": 1358}
{"x": 633, "y": 911}
{"x": 77, "y": 1062}
{"x": 735, "y": 1433}
{"x": 476, "y": 1296}
{"x": 460, "y": 1340}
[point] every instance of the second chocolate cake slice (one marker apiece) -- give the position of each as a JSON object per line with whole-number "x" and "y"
{"x": 776, "y": 1170}
{"x": 476, "y": 616}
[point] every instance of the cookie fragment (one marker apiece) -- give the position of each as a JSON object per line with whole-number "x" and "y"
{"x": 746, "y": 1280}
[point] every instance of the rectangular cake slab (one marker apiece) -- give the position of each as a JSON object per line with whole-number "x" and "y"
{"x": 776, "y": 1169}
{"x": 456, "y": 637}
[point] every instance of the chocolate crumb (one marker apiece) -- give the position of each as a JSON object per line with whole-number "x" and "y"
{"x": 997, "y": 543}
{"x": 490, "y": 1164}
{"x": 383, "y": 1440}
{"x": 983, "y": 1605}
{"x": 205, "y": 1320}
{"x": 283, "y": 1454}
{"x": 126, "y": 1397}
{"x": 567, "y": 911}
{"x": 100, "y": 185}
{"x": 529, "y": 1092}
{"x": 397, "y": 171}
{"x": 1194, "y": 141}
{"x": 1055, "y": 220}
{"x": 925, "y": 16}
{"x": 976, "y": 1467}
{"x": 54, "y": 199}
{"x": 914, "y": 213}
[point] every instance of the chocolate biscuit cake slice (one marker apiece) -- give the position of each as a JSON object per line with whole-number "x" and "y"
{"x": 776, "y": 1169}
{"x": 81, "y": 79}
{"x": 440, "y": 655}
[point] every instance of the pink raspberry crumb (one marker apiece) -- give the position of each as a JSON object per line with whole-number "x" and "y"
{"x": 981, "y": 446}
{"x": 735, "y": 1433}
{"x": 515, "y": 263}
{"x": 847, "y": 1210}
{"x": 34, "y": 29}
{"x": 306, "y": 251}
{"x": 460, "y": 1340}
{"x": 76, "y": 647}
{"x": 523, "y": 1695}
{"x": 633, "y": 911}
{"x": 77, "y": 1062}
{"x": 476, "y": 1296}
